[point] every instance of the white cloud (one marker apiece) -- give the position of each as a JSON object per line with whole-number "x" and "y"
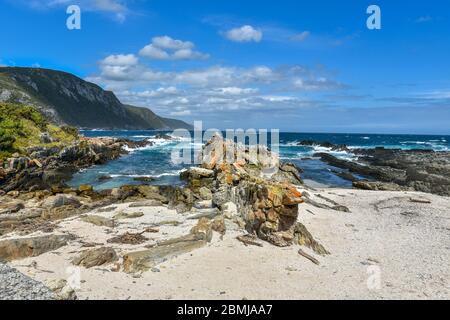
{"x": 299, "y": 37}
{"x": 211, "y": 76}
{"x": 244, "y": 34}
{"x": 167, "y": 42}
{"x": 188, "y": 54}
{"x": 151, "y": 51}
{"x": 180, "y": 113}
{"x": 121, "y": 60}
{"x": 166, "y": 48}
{"x": 207, "y": 92}
{"x": 316, "y": 84}
{"x": 235, "y": 91}
{"x": 126, "y": 67}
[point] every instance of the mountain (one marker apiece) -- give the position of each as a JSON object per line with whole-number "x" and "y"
{"x": 66, "y": 99}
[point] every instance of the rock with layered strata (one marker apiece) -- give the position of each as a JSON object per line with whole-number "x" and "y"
{"x": 19, "y": 248}
{"x": 252, "y": 179}
{"x": 96, "y": 257}
{"x": 141, "y": 261}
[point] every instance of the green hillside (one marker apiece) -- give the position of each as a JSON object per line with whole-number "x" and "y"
{"x": 23, "y": 126}
{"x": 66, "y": 99}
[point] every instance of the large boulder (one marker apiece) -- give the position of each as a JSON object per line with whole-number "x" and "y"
{"x": 252, "y": 179}
{"x": 61, "y": 200}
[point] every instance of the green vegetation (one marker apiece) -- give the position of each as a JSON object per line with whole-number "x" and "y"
{"x": 22, "y": 127}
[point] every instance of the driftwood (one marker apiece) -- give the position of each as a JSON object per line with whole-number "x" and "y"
{"x": 129, "y": 238}
{"x": 309, "y": 257}
{"x": 249, "y": 240}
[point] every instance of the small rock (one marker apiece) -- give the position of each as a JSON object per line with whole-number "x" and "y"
{"x": 85, "y": 188}
{"x": 126, "y": 215}
{"x": 229, "y": 210}
{"x": 61, "y": 200}
{"x": 146, "y": 203}
{"x": 45, "y": 138}
{"x": 144, "y": 179}
{"x": 96, "y": 257}
{"x": 11, "y": 207}
{"x": 62, "y": 289}
{"x": 205, "y": 193}
{"x": 99, "y": 221}
{"x": 129, "y": 238}
{"x": 104, "y": 178}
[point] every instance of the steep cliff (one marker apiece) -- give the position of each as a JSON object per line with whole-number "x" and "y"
{"x": 66, "y": 99}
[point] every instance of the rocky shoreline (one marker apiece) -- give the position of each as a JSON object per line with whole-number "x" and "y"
{"x": 243, "y": 194}
{"x": 133, "y": 230}
{"x": 44, "y": 168}
{"x": 392, "y": 169}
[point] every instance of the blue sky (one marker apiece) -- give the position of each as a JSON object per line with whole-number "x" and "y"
{"x": 293, "y": 65}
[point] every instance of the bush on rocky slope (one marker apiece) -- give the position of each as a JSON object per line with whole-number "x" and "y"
{"x": 23, "y": 126}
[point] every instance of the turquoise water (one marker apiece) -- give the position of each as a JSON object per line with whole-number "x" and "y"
{"x": 155, "y": 161}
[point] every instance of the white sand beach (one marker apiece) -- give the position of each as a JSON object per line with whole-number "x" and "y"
{"x": 386, "y": 247}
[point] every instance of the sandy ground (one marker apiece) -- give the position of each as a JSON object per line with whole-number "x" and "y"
{"x": 387, "y": 247}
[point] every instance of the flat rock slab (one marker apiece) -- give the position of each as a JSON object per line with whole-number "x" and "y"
{"x": 99, "y": 221}
{"x": 96, "y": 257}
{"x": 141, "y": 261}
{"x": 13, "y": 249}
{"x": 128, "y": 215}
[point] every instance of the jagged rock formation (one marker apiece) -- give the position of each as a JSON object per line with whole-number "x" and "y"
{"x": 252, "y": 179}
{"x": 66, "y": 99}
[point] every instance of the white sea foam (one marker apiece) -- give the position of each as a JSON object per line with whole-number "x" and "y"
{"x": 413, "y": 142}
{"x": 338, "y": 154}
{"x": 142, "y": 136}
{"x": 168, "y": 173}
{"x": 289, "y": 144}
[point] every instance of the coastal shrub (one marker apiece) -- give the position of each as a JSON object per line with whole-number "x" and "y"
{"x": 6, "y": 141}
{"x": 21, "y": 127}
{"x": 71, "y": 131}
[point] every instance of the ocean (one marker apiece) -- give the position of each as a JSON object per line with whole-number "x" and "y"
{"x": 155, "y": 161}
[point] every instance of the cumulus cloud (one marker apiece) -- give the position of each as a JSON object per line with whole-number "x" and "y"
{"x": 125, "y": 67}
{"x": 167, "y": 42}
{"x": 121, "y": 60}
{"x": 166, "y": 48}
{"x": 244, "y": 34}
{"x": 210, "y": 91}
